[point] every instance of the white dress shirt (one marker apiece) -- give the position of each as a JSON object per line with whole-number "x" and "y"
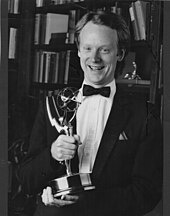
{"x": 92, "y": 116}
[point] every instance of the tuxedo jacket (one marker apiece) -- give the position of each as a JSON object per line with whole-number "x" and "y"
{"x": 127, "y": 172}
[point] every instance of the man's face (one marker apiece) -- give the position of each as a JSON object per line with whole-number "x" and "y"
{"x": 98, "y": 52}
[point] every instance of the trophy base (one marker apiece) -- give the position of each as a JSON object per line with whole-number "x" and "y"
{"x": 72, "y": 184}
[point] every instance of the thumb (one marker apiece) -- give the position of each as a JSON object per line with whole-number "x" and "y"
{"x": 77, "y": 138}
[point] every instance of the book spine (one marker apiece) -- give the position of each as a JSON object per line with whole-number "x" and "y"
{"x": 71, "y": 26}
{"x": 113, "y": 9}
{"x": 61, "y": 69}
{"x": 42, "y": 28}
{"x": 55, "y": 23}
{"x": 37, "y": 29}
{"x": 39, "y": 3}
{"x": 67, "y": 67}
{"x": 40, "y": 77}
{"x": 51, "y": 67}
{"x": 148, "y": 20}
{"x": 47, "y": 67}
{"x": 12, "y": 43}
{"x": 16, "y": 6}
{"x": 36, "y": 66}
{"x": 47, "y": 28}
{"x": 13, "y": 6}
{"x": 44, "y": 66}
{"x": 140, "y": 20}
{"x": 134, "y": 23}
{"x": 56, "y": 69}
{"x": 8, "y": 6}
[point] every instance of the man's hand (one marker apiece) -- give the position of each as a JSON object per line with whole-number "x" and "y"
{"x": 64, "y": 147}
{"x": 65, "y": 200}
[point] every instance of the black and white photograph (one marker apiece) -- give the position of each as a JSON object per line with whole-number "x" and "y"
{"x": 85, "y": 107}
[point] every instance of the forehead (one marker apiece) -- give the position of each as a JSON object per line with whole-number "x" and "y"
{"x": 96, "y": 33}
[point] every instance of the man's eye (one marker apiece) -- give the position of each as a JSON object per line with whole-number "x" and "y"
{"x": 87, "y": 48}
{"x": 104, "y": 50}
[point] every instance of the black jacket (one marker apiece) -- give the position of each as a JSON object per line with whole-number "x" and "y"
{"x": 127, "y": 173}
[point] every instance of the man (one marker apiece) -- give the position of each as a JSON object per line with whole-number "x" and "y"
{"x": 118, "y": 136}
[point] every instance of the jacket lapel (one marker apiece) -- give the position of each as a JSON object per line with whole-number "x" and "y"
{"x": 117, "y": 120}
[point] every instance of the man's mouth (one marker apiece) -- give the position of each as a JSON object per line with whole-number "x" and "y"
{"x": 95, "y": 68}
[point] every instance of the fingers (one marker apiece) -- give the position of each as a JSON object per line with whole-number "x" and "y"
{"x": 49, "y": 200}
{"x": 66, "y": 139}
{"x": 64, "y": 148}
{"x": 47, "y": 196}
{"x": 73, "y": 198}
{"x": 66, "y": 142}
{"x": 77, "y": 138}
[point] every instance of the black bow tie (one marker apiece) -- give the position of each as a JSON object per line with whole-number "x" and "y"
{"x": 89, "y": 90}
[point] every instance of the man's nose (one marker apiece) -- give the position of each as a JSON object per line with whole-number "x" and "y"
{"x": 95, "y": 56}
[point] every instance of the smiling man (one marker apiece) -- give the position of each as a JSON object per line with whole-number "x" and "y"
{"x": 98, "y": 52}
{"x": 120, "y": 135}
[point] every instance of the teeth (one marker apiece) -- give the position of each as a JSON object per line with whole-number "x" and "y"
{"x": 96, "y": 67}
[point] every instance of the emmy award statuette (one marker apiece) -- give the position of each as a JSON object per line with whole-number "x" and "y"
{"x": 71, "y": 183}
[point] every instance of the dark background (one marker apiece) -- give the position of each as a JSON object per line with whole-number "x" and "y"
{"x": 166, "y": 116}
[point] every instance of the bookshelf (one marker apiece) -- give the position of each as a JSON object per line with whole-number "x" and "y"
{"x": 14, "y": 22}
{"x": 20, "y": 19}
{"x": 25, "y": 84}
{"x": 32, "y": 53}
{"x": 147, "y": 45}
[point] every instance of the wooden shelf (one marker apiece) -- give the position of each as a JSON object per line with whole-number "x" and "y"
{"x": 130, "y": 82}
{"x": 57, "y": 48}
{"x": 140, "y": 44}
{"x": 61, "y": 8}
{"x": 53, "y": 86}
{"x": 14, "y": 20}
{"x": 85, "y": 5}
{"x": 138, "y": 86}
{"x": 14, "y": 15}
{"x": 12, "y": 64}
{"x": 62, "y": 47}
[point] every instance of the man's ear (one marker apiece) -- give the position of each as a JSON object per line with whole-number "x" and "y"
{"x": 78, "y": 53}
{"x": 121, "y": 54}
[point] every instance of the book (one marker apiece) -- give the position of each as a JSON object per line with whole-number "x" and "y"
{"x": 148, "y": 19}
{"x": 40, "y": 74}
{"x": 12, "y": 43}
{"x": 13, "y": 6}
{"x": 44, "y": 66}
{"x": 61, "y": 66}
{"x": 134, "y": 21}
{"x": 67, "y": 67}
{"x": 113, "y": 9}
{"x": 47, "y": 67}
{"x": 42, "y": 28}
{"x": 57, "y": 38}
{"x": 71, "y": 26}
{"x": 37, "y": 29}
{"x": 56, "y": 68}
{"x": 16, "y": 6}
{"x": 141, "y": 18}
{"x": 53, "y": 67}
{"x": 36, "y": 66}
{"x": 53, "y": 23}
{"x": 39, "y": 3}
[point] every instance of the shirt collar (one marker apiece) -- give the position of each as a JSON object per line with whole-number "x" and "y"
{"x": 112, "y": 85}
